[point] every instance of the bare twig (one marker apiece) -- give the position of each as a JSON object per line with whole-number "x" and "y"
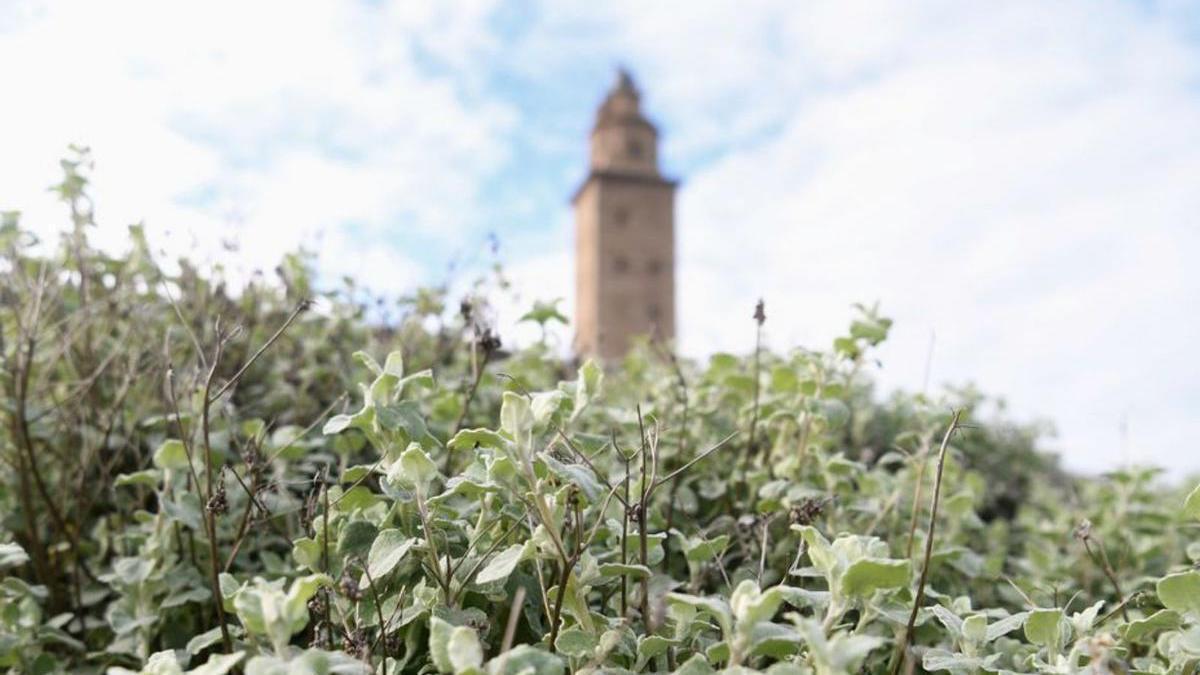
{"x": 1084, "y": 533}
{"x": 300, "y": 307}
{"x": 671, "y": 476}
{"x": 378, "y": 609}
{"x": 510, "y": 628}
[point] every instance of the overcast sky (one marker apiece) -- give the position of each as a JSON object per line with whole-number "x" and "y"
{"x": 1021, "y": 179}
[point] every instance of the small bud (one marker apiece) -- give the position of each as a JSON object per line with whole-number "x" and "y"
{"x": 1084, "y": 531}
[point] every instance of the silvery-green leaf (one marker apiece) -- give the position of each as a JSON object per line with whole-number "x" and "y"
{"x": 714, "y": 607}
{"x": 1044, "y": 627}
{"x": 467, "y": 439}
{"x": 1181, "y": 592}
{"x": 356, "y": 537}
{"x": 1191, "y": 505}
{"x": 1162, "y": 620}
{"x": 218, "y": 664}
{"x": 464, "y": 649}
{"x": 526, "y": 660}
{"x": 867, "y": 575}
{"x": 974, "y": 628}
{"x": 502, "y": 564}
{"x": 577, "y": 474}
{"x": 633, "y": 571}
{"x": 1005, "y": 626}
{"x": 12, "y": 555}
{"x": 575, "y": 643}
{"x": 172, "y": 454}
{"x": 439, "y": 644}
{"x": 414, "y": 469}
{"x": 387, "y": 550}
{"x": 950, "y": 620}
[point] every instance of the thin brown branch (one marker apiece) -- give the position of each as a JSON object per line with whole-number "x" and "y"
{"x": 929, "y": 538}
{"x": 671, "y": 476}
{"x": 300, "y": 307}
{"x": 210, "y": 516}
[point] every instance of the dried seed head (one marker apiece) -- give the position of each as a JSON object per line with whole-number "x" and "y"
{"x": 488, "y": 341}
{"x": 356, "y": 643}
{"x": 218, "y": 504}
{"x": 807, "y": 511}
{"x": 316, "y": 604}
{"x": 760, "y": 314}
{"x": 635, "y": 512}
{"x": 349, "y": 589}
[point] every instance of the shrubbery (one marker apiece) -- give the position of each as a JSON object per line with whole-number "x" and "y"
{"x": 204, "y": 481}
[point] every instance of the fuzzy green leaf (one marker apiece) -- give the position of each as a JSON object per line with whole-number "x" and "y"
{"x": 1181, "y": 592}
{"x": 1191, "y": 505}
{"x": 171, "y": 455}
{"x": 864, "y": 577}
{"x": 502, "y": 565}
{"x": 1044, "y": 627}
{"x": 356, "y": 538}
{"x": 387, "y": 550}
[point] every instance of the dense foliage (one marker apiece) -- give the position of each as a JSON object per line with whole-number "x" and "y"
{"x": 284, "y": 480}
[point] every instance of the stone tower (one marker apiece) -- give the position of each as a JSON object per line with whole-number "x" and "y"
{"x": 624, "y": 232}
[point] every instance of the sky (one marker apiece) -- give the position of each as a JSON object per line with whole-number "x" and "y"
{"x": 1016, "y": 183}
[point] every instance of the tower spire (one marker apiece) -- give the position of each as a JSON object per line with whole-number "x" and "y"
{"x": 625, "y": 81}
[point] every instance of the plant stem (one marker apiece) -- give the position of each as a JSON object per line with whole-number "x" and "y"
{"x": 624, "y": 540}
{"x": 937, "y": 493}
{"x": 325, "y": 553}
{"x": 210, "y": 517}
{"x": 564, "y": 572}
{"x": 642, "y": 513}
{"x": 916, "y": 507}
{"x": 1108, "y": 571}
{"x": 378, "y": 609}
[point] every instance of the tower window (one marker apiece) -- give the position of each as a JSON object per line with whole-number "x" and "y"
{"x": 634, "y": 148}
{"x": 621, "y": 216}
{"x": 654, "y": 267}
{"x": 620, "y": 264}
{"x": 652, "y": 312}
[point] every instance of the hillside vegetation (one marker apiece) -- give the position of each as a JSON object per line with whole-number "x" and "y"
{"x": 284, "y": 479}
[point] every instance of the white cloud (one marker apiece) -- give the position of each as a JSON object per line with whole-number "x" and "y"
{"x": 265, "y": 123}
{"x": 1018, "y": 177}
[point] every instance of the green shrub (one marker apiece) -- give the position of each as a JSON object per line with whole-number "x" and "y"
{"x": 280, "y": 480}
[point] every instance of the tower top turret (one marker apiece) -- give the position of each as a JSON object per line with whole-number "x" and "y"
{"x": 623, "y": 139}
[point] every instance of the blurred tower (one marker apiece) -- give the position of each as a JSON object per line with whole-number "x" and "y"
{"x": 624, "y": 232}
